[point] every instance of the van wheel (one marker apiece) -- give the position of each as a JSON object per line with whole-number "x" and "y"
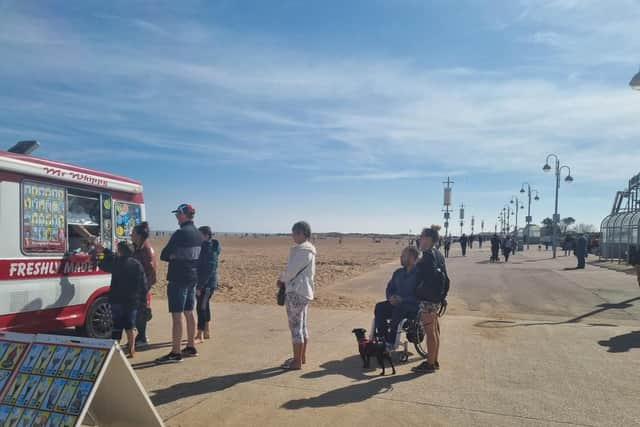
{"x": 98, "y": 322}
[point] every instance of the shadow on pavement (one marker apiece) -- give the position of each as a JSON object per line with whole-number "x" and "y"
{"x": 210, "y": 385}
{"x": 603, "y": 307}
{"x": 622, "y": 343}
{"x": 350, "y": 367}
{"x": 355, "y": 393}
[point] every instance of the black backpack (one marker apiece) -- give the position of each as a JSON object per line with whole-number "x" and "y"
{"x": 433, "y": 282}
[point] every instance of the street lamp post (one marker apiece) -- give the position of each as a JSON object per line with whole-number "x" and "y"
{"x": 537, "y": 197}
{"x": 519, "y": 206}
{"x": 508, "y": 214}
{"x": 447, "y": 205}
{"x": 568, "y": 179}
{"x": 461, "y": 218}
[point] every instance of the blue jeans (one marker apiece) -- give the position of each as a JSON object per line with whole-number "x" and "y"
{"x": 385, "y": 310}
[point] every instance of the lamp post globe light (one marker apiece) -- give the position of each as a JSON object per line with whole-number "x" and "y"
{"x": 528, "y": 192}
{"x": 568, "y": 179}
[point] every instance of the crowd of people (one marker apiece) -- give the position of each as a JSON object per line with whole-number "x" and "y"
{"x": 417, "y": 290}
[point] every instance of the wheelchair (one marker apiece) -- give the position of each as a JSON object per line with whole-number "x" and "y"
{"x": 410, "y": 331}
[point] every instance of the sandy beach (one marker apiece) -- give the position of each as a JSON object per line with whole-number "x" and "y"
{"x": 249, "y": 266}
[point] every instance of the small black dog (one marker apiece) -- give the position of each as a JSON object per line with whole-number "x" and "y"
{"x": 370, "y": 348}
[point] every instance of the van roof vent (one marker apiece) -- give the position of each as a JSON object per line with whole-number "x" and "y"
{"x": 24, "y": 147}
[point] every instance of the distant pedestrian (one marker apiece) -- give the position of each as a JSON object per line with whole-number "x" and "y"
{"x": 298, "y": 281}
{"x": 507, "y": 247}
{"x": 128, "y": 283}
{"x": 546, "y": 245}
{"x": 182, "y": 253}
{"x": 447, "y": 246}
{"x": 581, "y": 250}
{"x": 480, "y": 241}
{"x": 431, "y": 290}
{"x": 471, "y": 239}
{"x": 495, "y": 248}
{"x": 464, "y": 240}
{"x": 145, "y": 255}
{"x": 207, "y": 281}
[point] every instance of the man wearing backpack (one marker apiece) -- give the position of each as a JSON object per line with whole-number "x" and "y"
{"x": 431, "y": 291}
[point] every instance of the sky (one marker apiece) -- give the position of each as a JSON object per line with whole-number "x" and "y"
{"x": 346, "y": 114}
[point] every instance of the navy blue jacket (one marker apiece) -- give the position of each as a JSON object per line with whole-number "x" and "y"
{"x": 403, "y": 284}
{"x": 182, "y": 253}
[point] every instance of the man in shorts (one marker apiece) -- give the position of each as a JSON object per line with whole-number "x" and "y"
{"x": 182, "y": 253}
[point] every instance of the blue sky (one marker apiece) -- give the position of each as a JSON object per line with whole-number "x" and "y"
{"x": 347, "y": 114}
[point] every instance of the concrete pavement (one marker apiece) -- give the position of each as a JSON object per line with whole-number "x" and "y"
{"x": 565, "y": 361}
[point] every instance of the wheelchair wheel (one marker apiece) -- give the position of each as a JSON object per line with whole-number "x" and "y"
{"x": 420, "y": 345}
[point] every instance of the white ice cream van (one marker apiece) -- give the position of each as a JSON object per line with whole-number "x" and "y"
{"x": 49, "y": 214}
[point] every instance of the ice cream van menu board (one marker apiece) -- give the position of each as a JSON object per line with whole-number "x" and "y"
{"x": 127, "y": 215}
{"x": 43, "y": 218}
{"x": 51, "y": 385}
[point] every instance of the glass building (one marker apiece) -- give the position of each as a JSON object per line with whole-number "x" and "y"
{"x": 621, "y": 229}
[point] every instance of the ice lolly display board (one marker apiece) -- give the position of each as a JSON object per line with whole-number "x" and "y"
{"x": 52, "y": 380}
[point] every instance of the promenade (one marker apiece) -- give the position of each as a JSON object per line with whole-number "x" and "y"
{"x": 530, "y": 343}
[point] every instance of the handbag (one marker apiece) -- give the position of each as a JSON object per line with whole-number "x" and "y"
{"x": 281, "y": 296}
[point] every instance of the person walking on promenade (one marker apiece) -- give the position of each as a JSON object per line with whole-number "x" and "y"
{"x": 495, "y": 248}
{"x": 480, "y": 241}
{"x": 507, "y": 246}
{"x": 128, "y": 283}
{"x": 207, "y": 281}
{"x": 471, "y": 239}
{"x": 447, "y": 246}
{"x": 464, "y": 240}
{"x": 401, "y": 298}
{"x": 581, "y": 250}
{"x": 298, "y": 282}
{"x": 145, "y": 255}
{"x": 431, "y": 291}
{"x": 182, "y": 253}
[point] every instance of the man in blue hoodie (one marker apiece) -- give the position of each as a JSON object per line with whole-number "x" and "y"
{"x": 401, "y": 300}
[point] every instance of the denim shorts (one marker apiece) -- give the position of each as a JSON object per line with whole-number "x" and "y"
{"x": 123, "y": 317}
{"x": 181, "y": 298}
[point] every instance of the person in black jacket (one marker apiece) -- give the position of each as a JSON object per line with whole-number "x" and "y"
{"x": 464, "y": 240}
{"x": 495, "y": 248}
{"x": 432, "y": 289}
{"x": 207, "y": 281}
{"x": 182, "y": 253}
{"x": 128, "y": 284}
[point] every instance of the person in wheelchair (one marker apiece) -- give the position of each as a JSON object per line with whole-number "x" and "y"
{"x": 401, "y": 300}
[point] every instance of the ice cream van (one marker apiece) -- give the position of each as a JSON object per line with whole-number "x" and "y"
{"x": 50, "y": 213}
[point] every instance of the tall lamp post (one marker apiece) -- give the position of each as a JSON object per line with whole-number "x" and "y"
{"x": 529, "y": 191}
{"x": 507, "y": 212}
{"x": 447, "y": 205}
{"x": 568, "y": 179}
{"x": 518, "y": 206}
{"x": 461, "y": 218}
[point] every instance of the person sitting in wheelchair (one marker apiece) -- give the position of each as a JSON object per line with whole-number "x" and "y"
{"x": 401, "y": 301}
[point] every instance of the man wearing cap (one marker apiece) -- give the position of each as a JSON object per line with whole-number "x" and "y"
{"x": 182, "y": 253}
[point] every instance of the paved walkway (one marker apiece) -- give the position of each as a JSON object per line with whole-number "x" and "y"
{"x": 529, "y": 368}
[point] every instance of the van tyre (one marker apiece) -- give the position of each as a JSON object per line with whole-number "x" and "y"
{"x": 98, "y": 323}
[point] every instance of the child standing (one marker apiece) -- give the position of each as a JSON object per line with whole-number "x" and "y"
{"x": 207, "y": 281}
{"x": 128, "y": 283}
